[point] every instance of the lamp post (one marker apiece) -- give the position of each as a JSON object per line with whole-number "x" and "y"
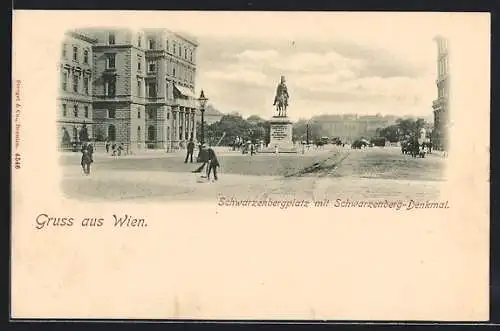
{"x": 307, "y": 134}
{"x": 203, "y": 101}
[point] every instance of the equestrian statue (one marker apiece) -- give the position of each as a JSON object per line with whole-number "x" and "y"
{"x": 281, "y": 98}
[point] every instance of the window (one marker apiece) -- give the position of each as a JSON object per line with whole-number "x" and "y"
{"x": 167, "y": 45}
{"x": 64, "y": 110}
{"x": 175, "y": 48}
{"x": 151, "y": 114}
{"x": 173, "y": 72}
{"x": 64, "y": 50}
{"x": 139, "y": 88}
{"x": 111, "y": 132}
{"x": 152, "y": 90}
{"x": 139, "y": 61}
{"x": 85, "y": 56}
{"x": 138, "y": 114}
{"x": 174, "y": 114}
{"x": 151, "y": 66}
{"x": 86, "y": 85}
{"x": 168, "y": 115}
{"x": 75, "y": 53}
{"x": 139, "y": 40}
{"x": 110, "y": 87}
{"x": 151, "y": 44}
{"x": 151, "y": 133}
{"x": 86, "y": 109}
{"x": 75, "y": 110}
{"x": 111, "y": 39}
{"x": 111, "y": 114}
{"x": 75, "y": 83}
{"x": 110, "y": 61}
{"x": 64, "y": 80}
{"x": 191, "y": 56}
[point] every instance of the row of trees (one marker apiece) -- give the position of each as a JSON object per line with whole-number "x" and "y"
{"x": 404, "y": 128}
{"x": 255, "y": 128}
{"x": 230, "y": 126}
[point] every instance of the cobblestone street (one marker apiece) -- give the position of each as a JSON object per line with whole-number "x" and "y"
{"x": 316, "y": 174}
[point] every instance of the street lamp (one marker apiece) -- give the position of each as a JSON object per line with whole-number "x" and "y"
{"x": 307, "y": 134}
{"x": 203, "y": 101}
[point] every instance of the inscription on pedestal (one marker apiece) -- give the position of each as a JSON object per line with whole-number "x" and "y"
{"x": 279, "y": 132}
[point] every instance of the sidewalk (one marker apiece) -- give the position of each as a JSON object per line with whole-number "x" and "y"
{"x": 153, "y": 153}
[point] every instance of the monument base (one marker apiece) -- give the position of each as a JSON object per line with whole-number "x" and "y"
{"x": 280, "y": 136}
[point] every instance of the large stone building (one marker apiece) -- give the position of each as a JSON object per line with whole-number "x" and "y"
{"x": 350, "y": 127}
{"x": 440, "y": 105}
{"x": 143, "y": 87}
{"x": 75, "y": 115}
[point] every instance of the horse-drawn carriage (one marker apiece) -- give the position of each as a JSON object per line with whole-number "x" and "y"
{"x": 413, "y": 148}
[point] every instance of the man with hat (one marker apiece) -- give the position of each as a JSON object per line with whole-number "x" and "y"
{"x": 203, "y": 158}
{"x": 213, "y": 163}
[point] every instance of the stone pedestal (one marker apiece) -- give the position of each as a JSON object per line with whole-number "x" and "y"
{"x": 280, "y": 136}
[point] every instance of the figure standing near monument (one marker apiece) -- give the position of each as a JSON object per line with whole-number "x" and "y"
{"x": 281, "y": 98}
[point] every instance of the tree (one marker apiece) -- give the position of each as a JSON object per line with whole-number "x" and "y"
{"x": 255, "y": 119}
{"x": 302, "y": 127}
{"x": 405, "y": 128}
{"x": 391, "y": 133}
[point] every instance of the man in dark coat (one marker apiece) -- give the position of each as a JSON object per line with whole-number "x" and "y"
{"x": 213, "y": 163}
{"x": 190, "y": 150}
{"x": 203, "y": 158}
{"x": 87, "y": 158}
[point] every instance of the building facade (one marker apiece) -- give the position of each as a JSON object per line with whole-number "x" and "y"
{"x": 75, "y": 112}
{"x": 351, "y": 127}
{"x": 143, "y": 87}
{"x": 440, "y": 105}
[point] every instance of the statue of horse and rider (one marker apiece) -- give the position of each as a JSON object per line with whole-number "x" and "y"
{"x": 281, "y": 98}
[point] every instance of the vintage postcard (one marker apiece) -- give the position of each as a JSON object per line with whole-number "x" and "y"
{"x": 250, "y": 165}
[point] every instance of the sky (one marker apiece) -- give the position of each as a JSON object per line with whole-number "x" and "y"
{"x": 331, "y": 67}
{"x": 334, "y": 62}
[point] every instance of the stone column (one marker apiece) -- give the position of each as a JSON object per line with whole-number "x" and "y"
{"x": 175, "y": 127}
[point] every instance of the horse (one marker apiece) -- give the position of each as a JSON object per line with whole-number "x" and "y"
{"x": 86, "y": 161}
{"x": 281, "y": 104}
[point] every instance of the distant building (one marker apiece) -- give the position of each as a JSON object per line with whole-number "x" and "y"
{"x": 351, "y": 127}
{"x": 75, "y": 110}
{"x": 440, "y": 105}
{"x": 143, "y": 87}
{"x": 210, "y": 116}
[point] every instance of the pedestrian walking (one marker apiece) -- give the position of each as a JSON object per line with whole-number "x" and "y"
{"x": 203, "y": 157}
{"x": 106, "y": 145}
{"x": 190, "y": 150}
{"x": 86, "y": 160}
{"x": 120, "y": 149}
{"x": 213, "y": 163}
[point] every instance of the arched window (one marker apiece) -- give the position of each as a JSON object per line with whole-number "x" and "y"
{"x": 151, "y": 133}
{"x": 111, "y": 132}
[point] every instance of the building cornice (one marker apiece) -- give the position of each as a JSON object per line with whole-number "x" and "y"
{"x": 81, "y": 36}
{"x": 114, "y": 46}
